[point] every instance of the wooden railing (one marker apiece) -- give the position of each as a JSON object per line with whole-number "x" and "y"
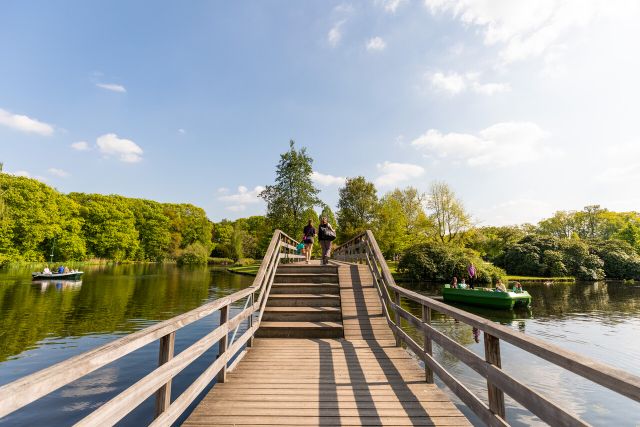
{"x": 364, "y": 249}
{"x": 21, "y": 392}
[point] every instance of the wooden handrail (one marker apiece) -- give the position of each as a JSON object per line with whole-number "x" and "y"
{"x": 364, "y": 248}
{"x": 23, "y": 391}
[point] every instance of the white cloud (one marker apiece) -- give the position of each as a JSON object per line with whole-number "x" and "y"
{"x": 80, "y": 146}
{"x": 376, "y": 44}
{"x": 455, "y": 83}
{"x": 501, "y": 145}
{"x": 391, "y": 5}
{"x": 327, "y": 180}
{"x": 222, "y": 190}
{"x": 243, "y": 197}
{"x": 335, "y": 34}
{"x": 24, "y": 123}
{"x": 182, "y": 131}
{"x": 394, "y": 173}
{"x": 113, "y": 87}
{"x": 125, "y": 149}
{"x": 58, "y": 172}
{"x": 527, "y": 29}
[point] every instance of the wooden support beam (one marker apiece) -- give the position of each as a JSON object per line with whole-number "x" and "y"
{"x": 492, "y": 356}
{"x": 396, "y": 299}
{"x": 428, "y": 348}
{"x": 163, "y": 395}
{"x": 222, "y": 344}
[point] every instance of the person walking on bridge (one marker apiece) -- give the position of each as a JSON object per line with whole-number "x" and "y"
{"x": 326, "y": 234}
{"x": 309, "y": 234}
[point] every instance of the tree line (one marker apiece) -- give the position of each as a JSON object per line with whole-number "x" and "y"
{"x": 433, "y": 236}
{"x": 37, "y": 221}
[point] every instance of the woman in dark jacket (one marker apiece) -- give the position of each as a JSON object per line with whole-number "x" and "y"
{"x": 309, "y": 234}
{"x": 325, "y": 240}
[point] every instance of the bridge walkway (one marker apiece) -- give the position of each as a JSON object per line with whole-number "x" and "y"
{"x": 361, "y": 379}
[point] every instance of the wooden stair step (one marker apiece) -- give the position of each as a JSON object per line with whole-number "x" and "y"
{"x": 305, "y": 288}
{"x": 306, "y": 278}
{"x": 308, "y": 269}
{"x": 300, "y": 330}
{"x": 298, "y": 300}
{"x": 307, "y": 314}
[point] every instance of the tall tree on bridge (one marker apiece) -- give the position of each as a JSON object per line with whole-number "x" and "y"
{"x": 293, "y": 194}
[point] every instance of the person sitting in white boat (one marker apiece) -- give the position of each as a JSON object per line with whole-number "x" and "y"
{"x": 66, "y": 270}
{"x": 46, "y": 270}
{"x": 500, "y": 287}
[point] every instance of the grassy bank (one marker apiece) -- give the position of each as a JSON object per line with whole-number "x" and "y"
{"x": 542, "y": 279}
{"x": 250, "y": 270}
{"x": 71, "y": 264}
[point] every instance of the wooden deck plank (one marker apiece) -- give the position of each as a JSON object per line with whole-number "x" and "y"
{"x": 363, "y": 379}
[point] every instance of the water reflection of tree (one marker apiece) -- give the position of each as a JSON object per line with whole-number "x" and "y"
{"x": 116, "y": 299}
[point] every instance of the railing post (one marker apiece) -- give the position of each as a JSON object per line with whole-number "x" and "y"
{"x": 250, "y": 342}
{"x": 396, "y": 299}
{"x": 428, "y": 348}
{"x": 222, "y": 345}
{"x": 163, "y": 395}
{"x": 492, "y": 355}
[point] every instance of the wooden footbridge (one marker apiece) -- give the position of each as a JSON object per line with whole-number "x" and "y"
{"x": 321, "y": 345}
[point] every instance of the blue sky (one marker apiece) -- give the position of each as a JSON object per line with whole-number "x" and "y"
{"x": 523, "y": 107}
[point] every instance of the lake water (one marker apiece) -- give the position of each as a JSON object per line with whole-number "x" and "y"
{"x": 42, "y": 324}
{"x": 45, "y": 323}
{"x": 600, "y": 320}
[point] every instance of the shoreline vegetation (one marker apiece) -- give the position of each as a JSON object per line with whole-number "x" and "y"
{"x": 430, "y": 237}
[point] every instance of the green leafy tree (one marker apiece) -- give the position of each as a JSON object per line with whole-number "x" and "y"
{"x": 293, "y": 193}
{"x": 109, "y": 226}
{"x": 437, "y": 261}
{"x": 630, "y": 234}
{"x": 390, "y": 228}
{"x": 153, "y": 229}
{"x": 357, "y": 207}
{"x": 562, "y": 224}
{"x": 491, "y": 242}
{"x": 448, "y": 213}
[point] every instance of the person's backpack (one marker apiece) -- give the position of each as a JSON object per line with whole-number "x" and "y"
{"x": 328, "y": 234}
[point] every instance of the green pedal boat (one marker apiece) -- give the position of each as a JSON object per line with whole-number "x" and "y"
{"x": 486, "y": 297}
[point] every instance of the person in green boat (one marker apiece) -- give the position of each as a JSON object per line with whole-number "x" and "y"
{"x": 500, "y": 286}
{"x": 517, "y": 287}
